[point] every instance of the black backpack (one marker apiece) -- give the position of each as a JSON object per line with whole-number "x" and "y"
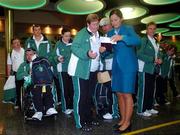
{"x": 41, "y": 72}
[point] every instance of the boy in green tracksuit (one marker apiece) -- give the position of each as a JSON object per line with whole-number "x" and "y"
{"x": 167, "y": 74}
{"x": 162, "y": 79}
{"x": 39, "y": 43}
{"x": 62, "y": 54}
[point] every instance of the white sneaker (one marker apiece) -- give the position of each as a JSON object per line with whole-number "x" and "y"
{"x": 107, "y": 116}
{"x": 145, "y": 114}
{"x": 68, "y": 111}
{"x": 16, "y": 107}
{"x": 38, "y": 116}
{"x": 152, "y": 111}
{"x": 178, "y": 96}
{"x": 58, "y": 103}
{"x": 167, "y": 103}
{"x": 51, "y": 111}
{"x": 156, "y": 104}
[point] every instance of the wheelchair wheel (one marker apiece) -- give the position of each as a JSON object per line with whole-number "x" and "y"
{"x": 22, "y": 99}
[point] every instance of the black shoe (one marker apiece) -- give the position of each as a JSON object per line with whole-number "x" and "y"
{"x": 128, "y": 129}
{"x": 95, "y": 123}
{"x": 86, "y": 128}
{"x": 116, "y": 126}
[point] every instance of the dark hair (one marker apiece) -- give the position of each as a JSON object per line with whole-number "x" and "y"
{"x": 30, "y": 49}
{"x": 150, "y": 23}
{"x": 64, "y": 30}
{"x": 15, "y": 38}
{"x": 116, "y": 12}
{"x": 173, "y": 47}
{"x": 35, "y": 25}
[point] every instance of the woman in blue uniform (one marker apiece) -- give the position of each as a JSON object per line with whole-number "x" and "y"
{"x": 124, "y": 67}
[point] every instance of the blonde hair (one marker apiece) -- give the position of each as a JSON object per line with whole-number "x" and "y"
{"x": 91, "y": 18}
{"x": 151, "y": 23}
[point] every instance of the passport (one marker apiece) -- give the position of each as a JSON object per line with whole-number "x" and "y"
{"x": 107, "y": 43}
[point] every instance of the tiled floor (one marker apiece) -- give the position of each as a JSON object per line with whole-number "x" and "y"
{"x": 12, "y": 122}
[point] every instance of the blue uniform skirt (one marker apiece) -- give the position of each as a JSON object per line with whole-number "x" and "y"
{"x": 123, "y": 82}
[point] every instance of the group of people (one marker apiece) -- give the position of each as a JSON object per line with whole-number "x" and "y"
{"x": 156, "y": 67}
{"x": 75, "y": 64}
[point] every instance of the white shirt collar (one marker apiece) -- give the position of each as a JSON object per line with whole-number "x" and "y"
{"x": 42, "y": 37}
{"x": 93, "y": 34}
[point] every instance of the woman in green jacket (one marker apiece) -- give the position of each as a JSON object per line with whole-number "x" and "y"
{"x": 62, "y": 54}
{"x": 83, "y": 66}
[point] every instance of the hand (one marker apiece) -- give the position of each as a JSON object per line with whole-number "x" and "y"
{"x": 92, "y": 54}
{"x": 102, "y": 49}
{"x": 61, "y": 59}
{"x": 27, "y": 79}
{"x": 116, "y": 38}
{"x": 158, "y": 61}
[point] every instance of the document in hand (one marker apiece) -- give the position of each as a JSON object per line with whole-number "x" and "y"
{"x": 107, "y": 43}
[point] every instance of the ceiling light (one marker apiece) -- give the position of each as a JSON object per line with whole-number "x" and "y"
{"x": 90, "y": 0}
{"x": 171, "y": 33}
{"x": 161, "y": 18}
{"x": 23, "y": 4}
{"x": 129, "y": 12}
{"x": 160, "y": 2}
{"x": 175, "y": 24}
{"x": 80, "y": 7}
{"x": 126, "y": 11}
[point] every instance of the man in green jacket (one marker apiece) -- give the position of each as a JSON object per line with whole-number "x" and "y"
{"x": 109, "y": 111}
{"x": 41, "y": 94}
{"x": 39, "y": 43}
{"x": 149, "y": 60}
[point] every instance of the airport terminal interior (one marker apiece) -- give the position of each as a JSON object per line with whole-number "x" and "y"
{"x": 17, "y": 19}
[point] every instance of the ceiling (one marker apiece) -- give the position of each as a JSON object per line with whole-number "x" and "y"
{"x": 152, "y": 10}
{"x": 166, "y": 10}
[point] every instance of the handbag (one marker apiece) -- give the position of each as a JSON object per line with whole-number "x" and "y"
{"x": 9, "y": 90}
{"x": 103, "y": 77}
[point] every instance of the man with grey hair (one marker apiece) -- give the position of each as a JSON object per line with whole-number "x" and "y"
{"x": 110, "y": 111}
{"x": 105, "y": 25}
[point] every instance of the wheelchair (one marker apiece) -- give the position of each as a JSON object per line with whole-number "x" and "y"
{"x": 27, "y": 106}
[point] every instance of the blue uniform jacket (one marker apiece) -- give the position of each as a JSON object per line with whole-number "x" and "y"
{"x": 124, "y": 50}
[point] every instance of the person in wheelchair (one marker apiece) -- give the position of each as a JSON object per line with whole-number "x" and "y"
{"x": 37, "y": 75}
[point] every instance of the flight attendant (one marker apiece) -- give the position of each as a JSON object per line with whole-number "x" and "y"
{"x": 124, "y": 67}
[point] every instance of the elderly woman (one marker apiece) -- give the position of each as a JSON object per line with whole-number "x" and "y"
{"x": 83, "y": 67}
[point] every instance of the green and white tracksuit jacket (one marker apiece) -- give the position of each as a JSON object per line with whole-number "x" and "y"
{"x": 64, "y": 50}
{"x": 44, "y": 49}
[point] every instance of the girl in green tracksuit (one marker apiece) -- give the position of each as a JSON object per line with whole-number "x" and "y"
{"x": 62, "y": 54}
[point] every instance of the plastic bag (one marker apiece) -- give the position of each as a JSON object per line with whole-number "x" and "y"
{"x": 10, "y": 90}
